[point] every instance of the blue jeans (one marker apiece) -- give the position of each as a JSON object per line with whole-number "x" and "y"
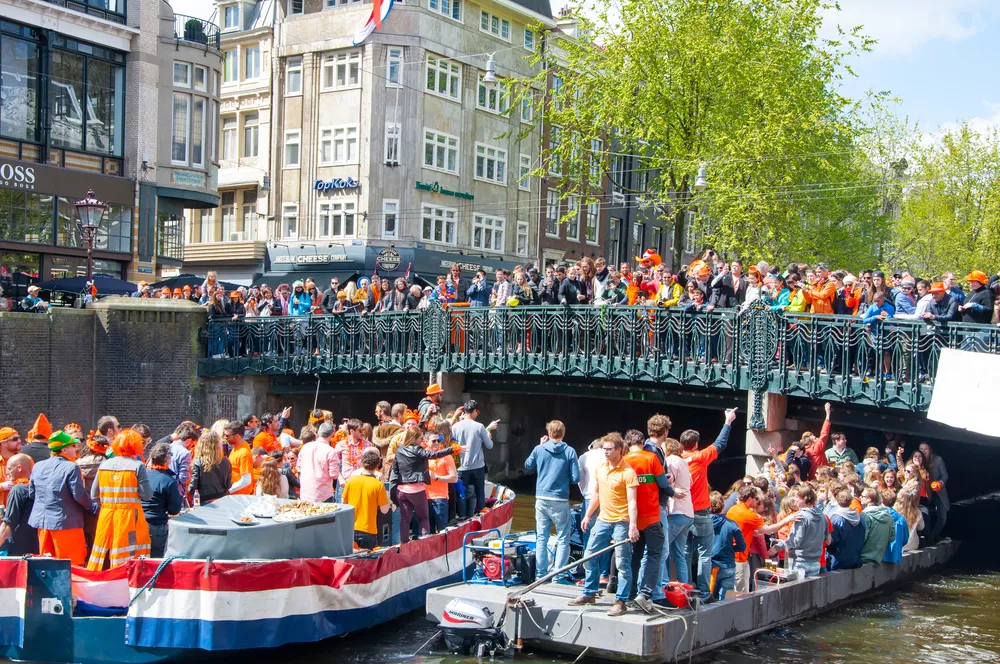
{"x": 604, "y": 560}
{"x": 704, "y": 537}
{"x": 549, "y": 513}
{"x": 439, "y": 514}
{"x": 602, "y": 535}
{"x": 725, "y": 580}
{"x": 678, "y": 526}
{"x": 808, "y": 569}
{"x": 660, "y": 562}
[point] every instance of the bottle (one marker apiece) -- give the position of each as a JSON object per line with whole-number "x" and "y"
{"x": 196, "y": 502}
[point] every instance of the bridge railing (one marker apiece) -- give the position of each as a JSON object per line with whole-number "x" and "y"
{"x": 891, "y": 364}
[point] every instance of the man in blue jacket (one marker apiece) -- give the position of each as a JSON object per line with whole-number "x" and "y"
{"x": 848, "y": 534}
{"x": 894, "y": 552}
{"x": 728, "y": 541}
{"x": 558, "y": 467}
{"x": 478, "y": 293}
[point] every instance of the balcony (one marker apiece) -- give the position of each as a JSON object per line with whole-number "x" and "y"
{"x": 196, "y": 31}
{"x": 109, "y": 10}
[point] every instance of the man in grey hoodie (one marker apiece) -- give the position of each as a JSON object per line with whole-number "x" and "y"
{"x": 809, "y": 533}
{"x": 880, "y": 529}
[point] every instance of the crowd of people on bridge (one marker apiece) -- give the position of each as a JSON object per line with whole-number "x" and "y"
{"x": 813, "y": 508}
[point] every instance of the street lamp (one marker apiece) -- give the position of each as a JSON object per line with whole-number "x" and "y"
{"x": 490, "y": 78}
{"x": 89, "y": 215}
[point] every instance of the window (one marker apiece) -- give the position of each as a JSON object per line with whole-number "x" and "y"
{"x": 232, "y": 14}
{"x": 182, "y": 75}
{"x": 170, "y": 236}
{"x": 249, "y": 213}
{"x": 228, "y": 215}
{"x": 618, "y": 174}
{"x": 444, "y": 78}
{"x": 198, "y": 131}
{"x": 21, "y": 80}
{"x": 394, "y": 68}
{"x": 180, "y": 129}
{"x": 557, "y": 84}
{"x": 523, "y": 171}
{"x": 231, "y": 67}
{"x": 487, "y": 232}
{"x": 614, "y": 240}
{"x": 555, "y": 159}
{"x": 439, "y": 224}
{"x": 251, "y": 62}
{"x": 292, "y": 140}
{"x": 392, "y": 143}
{"x": 573, "y": 222}
{"x": 341, "y": 70}
{"x": 229, "y": 138}
{"x": 341, "y": 3}
{"x": 552, "y": 214}
{"x": 336, "y": 219}
{"x": 207, "y": 226}
{"x": 522, "y": 238}
{"x": 596, "y": 159}
{"x": 493, "y": 99}
{"x": 690, "y": 240}
{"x": 293, "y": 76}
{"x": 526, "y": 108}
{"x": 638, "y": 236}
{"x": 440, "y": 151}
{"x": 290, "y": 221}
{"x": 390, "y": 208}
{"x": 529, "y": 39}
{"x": 338, "y": 145}
{"x": 655, "y": 238}
{"x": 590, "y": 231}
{"x": 251, "y": 135}
{"x": 450, "y": 8}
{"x": 213, "y": 112}
{"x": 641, "y": 178}
{"x": 496, "y": 26}
{"x": 294, "y": 7}
{"x": 200, "y": 78}
{"x": 491, "y": 164}
{"x": 86, "y": 96}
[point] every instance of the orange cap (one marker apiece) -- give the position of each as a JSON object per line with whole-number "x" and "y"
{"x": 235, "y": 294}
{"x": 186, "y": 289}
{"x": 177, "y": 291}
{"x": 976, "y": 275}
{"x": 433, "y": 389}
{"x": 704, "y": 271}
{"x": 7, "y": 432}
{"x": 937, "y": 287}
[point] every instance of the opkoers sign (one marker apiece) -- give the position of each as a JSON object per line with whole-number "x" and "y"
{"x": 17, "y": 176}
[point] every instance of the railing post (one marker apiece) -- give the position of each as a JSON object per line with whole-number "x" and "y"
{"x": 758, "y": 343}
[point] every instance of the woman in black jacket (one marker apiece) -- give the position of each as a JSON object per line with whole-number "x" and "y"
{"x": 408, "y": 482}
{"x": 211, "y": 472}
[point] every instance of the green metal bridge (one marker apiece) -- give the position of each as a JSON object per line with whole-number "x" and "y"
{"x": 888, "y": 365}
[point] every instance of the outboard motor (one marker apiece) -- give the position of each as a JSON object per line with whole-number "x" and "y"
{"x": 470, "y": 630}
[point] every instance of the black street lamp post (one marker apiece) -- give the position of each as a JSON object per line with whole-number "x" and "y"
{"x": 89, "y": 215}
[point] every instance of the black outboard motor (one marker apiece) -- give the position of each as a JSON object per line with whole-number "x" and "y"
{"x": 469, "y": 630}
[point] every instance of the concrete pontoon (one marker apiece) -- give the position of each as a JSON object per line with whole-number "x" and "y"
{"x": 550, "y": 624}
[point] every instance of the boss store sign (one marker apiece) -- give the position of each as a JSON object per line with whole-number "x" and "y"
{"x": 29, "y": 176}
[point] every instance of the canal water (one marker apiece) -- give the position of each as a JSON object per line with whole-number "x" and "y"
{"x": 947, "y": 618}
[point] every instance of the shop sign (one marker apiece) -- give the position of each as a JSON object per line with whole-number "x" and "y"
{"x": 311, "y": 259}
{"x": 465, "y": 267}
{"x": 144, "y": 269}
{"x": 436, "y": 188}
{"x": 17, "y": 176}
{"x": 170, "y": 272}
{"x": 336, "y": 183}
{"x": 388, "y": 259}
{"x": 189, "y": 178}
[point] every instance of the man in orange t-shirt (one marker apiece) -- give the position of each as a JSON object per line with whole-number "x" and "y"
{"x": 698, "y": 461}
{"x": 270, "y": 425}
{"x": 443, "y": 472}
{"x": 744, "y": 515}
{"x": 241, "y": 459}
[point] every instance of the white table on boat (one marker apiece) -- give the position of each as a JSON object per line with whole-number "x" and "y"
{"x": 209, "y": 531}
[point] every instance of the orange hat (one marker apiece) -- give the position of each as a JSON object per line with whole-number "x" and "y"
{"x": 178, "y": 291}
{"x": 703, "y": 271}
{"x": 411, "y": 415}
{"x": 235, "y": 294}
{"x": 650, "y": 257}
{"x": 73, "y": 426}
{"x": 976, "y": 275}
{"x": 128, "y": 443}
{"x": 42, "y": 429}
{"x": 186, "y": 289}
{"x": 7, "y": 432}
{"x": 937, "y": 287}
{"x": 142, "y": 283}
{"x": 433, "y": 389}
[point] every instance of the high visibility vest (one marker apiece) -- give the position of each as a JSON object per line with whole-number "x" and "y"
{"x": 122, "y": 531}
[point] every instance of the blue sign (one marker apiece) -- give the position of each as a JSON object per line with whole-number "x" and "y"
{"x": 336, "y": 183}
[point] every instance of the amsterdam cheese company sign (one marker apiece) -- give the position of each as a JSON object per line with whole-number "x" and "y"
{"x": 436, "y": 188}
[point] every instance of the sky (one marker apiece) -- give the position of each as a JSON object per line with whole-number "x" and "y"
{"x": 938, "y": 56}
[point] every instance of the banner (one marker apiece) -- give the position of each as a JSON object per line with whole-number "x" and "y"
{"x": 966, "y": 390}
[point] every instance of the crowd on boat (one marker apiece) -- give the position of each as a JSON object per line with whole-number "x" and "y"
{"x": 815, "y": 507}
{"x": 102, "y": 498}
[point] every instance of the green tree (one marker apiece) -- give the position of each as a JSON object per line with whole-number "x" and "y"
{"x": 746, "y": 88}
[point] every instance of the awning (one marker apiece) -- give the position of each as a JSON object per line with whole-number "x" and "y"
{"x": 322, "y": 278}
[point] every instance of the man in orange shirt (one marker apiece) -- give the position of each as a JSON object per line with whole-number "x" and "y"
{"x": 744, "y": 515}
{"x": 821, "y": 292}
{"x": 698, "y": 461}
{"x": 614, "y": 491}
{"x": 270, "y": 425}
{"x": 10, "y": 445}
{"x": 241, "y": 459}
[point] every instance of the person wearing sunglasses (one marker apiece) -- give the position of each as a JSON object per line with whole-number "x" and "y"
{"x": 10, "y": 445}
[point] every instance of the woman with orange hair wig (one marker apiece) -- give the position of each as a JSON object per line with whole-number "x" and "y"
{"x": 121, "y": 486}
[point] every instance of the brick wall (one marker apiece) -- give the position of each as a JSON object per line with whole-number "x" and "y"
{"x": 135, "y": 359}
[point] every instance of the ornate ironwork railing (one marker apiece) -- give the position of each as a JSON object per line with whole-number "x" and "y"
{"x": 815, "y": 356}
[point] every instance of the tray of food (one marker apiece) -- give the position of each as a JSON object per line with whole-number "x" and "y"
{"x": 243, "y": 519}
{"x": 303, "y": 509}
{"x": 263, "y": 508}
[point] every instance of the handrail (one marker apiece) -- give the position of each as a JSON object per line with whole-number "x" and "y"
{"x": 197, "y": 31}
{"x": 891, "y": 364}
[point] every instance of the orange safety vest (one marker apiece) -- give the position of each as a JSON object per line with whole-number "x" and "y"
{"x": 122, "y": 531}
